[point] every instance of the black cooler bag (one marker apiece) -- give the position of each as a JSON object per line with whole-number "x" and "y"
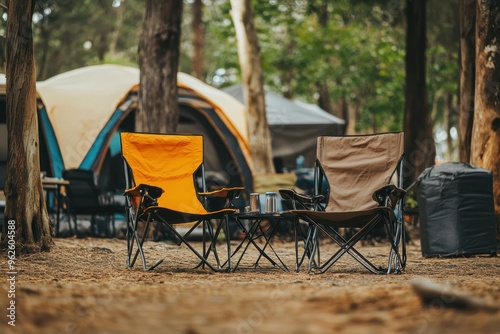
{"x": 456, "y": 210}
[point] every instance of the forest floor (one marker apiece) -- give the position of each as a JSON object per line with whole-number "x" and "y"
{"x": 84, "y": 286}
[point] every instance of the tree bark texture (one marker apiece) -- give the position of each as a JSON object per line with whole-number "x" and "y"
{"x": 352, "y": 117}
{"x": 252, "y": 77}
{"x": 420, "y": 149}
{"x": 324, "y": 97}
{"x": 485, "y": 147}
{"x": 25, "y": 203}
{"x": 198, "y": 39}
{"x": 159, "y": 63}
{"x": 106, "y": 27}
{"x": 467, "y": 13}
{"x": 322, "y": 87}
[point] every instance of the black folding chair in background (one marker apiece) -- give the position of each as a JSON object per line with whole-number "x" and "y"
{"x": 85, "y": 198}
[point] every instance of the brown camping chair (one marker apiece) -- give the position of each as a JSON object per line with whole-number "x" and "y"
{"x": 364, "y": 177}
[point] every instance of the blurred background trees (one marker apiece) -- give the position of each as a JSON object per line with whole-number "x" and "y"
{"x": 346, "y": 56}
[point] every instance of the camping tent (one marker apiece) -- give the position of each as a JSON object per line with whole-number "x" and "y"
{"x": 82, "y": 111}
{"x": 294, "y": 126}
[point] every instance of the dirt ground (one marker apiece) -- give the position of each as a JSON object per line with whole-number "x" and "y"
{"x": 83, "y": 286}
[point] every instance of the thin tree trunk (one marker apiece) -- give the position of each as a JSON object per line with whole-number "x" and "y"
{"x": 485, "y": 147}
{"x": 467, "y": 76}
{"x": 351, "y": 120}
{"x": 420, "y": 149}
{"x": 324, "y": 97}
{"x": 115, "y": 35}
{"x": 106, "y": 29}
{"x": 288, "y": 74}
{"x": 44, "y": 45}
{"x": 198, "y": 39}
{"x": 25, "y": 208}
{"x": 159, "y": 63}
{"x": 342, "y": 111}
{"x": 253, "y": 83}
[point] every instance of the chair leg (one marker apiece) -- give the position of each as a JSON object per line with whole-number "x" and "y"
{"x": 93, "y": 226}
{"x": 347, "y": 246}
{"x": 75, "y": 220}
{"x": 208, "y": 227}
{"x": 133, "y": 238}
{"x": 76, "y": 226}
{"x": 228, "y": 244}
{"x": 184, "y": 241}
{"x": 114, "y": 225}
{"x": 110, "y": 228}
{"x": 397, "y": 260}
{"x": 311, "y": 246}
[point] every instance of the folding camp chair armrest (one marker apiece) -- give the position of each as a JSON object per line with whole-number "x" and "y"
{"x": 389, "y": 191}
{"x": 303, "y": 200}
{"x": 221, "y": 198}
{"x": 144, "y": 190}
{"x": 230, "y": 193}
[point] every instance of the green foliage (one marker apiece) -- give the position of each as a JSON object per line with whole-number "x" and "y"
{"x": 355, "y": 48}
{"x": 358, "y": 55}
{"x": 72, "y": 34}
{"x": 356, "y": 58}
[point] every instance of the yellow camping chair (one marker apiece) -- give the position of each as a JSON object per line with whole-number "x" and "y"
{"x": 364, "y": 180}
{"x": 163, "y": 188}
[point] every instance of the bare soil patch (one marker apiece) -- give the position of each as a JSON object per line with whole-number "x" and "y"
{"x": 83, "y": 286}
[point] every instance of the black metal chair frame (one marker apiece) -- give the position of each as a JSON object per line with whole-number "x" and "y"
{"x": 218, "y": 203}
{"x": 148, "y": 198}
{"x": 390, "y": 199}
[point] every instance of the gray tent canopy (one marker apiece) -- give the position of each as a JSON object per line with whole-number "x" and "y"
{"x": 294, "y": 126}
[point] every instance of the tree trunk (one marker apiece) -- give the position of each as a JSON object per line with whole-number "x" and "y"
{"x": 198, "y": 39}
{"x": 159, "y": 62}
{"x": 106, "y": 30}
{"x": 251, "y": 69}
{"x": 288, "y": 74}
{"x": 324, "y": 97}
{"x": 342, "y": 111}
{"x": 45, "y": 34}
{"x": 352, "y": 118}
{"x": 485, "y": 147}
{"x": 420, "y": 149}
{"x": 25, "y": 204}
{"x": 115, "y": 35}
{"x": 467, "y": 76}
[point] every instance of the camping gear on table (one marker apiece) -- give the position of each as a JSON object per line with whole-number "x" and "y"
{"x": 456, "y": 210}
